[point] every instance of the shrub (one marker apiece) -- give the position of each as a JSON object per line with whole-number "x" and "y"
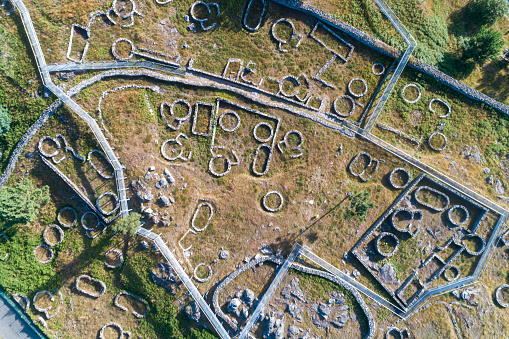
{"x": 129, "y": 225}
{"x": 5, "y": 120}
{"x": 486, "y": 45}
{"x": 360, "y": 205}
{"x": 22, "y": 202}
{"x": 486, "y": 12}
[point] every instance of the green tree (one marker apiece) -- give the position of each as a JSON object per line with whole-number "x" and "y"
{"x": 5, "y": 120}
{"x": 486, "y": 12}
{"x": 128, "y": 226}
{"x": 22, "y": 202}
{"x": 360, "y": 205}
{"x": 486, "y": 45}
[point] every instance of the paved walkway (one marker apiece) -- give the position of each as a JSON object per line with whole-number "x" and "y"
{"x": 12, "y": 326}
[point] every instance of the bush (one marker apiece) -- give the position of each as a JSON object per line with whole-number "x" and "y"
{"x": 486, "y": 45}
{"x": 22, "y": 202}
{"x": 486, "y": 12}
{"x": 129, "y": 225}
{"x": 5, "y": 120}
{"x": 360, "y": 205}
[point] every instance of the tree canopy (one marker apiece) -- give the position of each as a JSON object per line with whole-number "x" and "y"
{"x": 128, "y": 225}
{"x": 5, "y": 120}
{"x": 486, "y": 12}
{"x": 486, "y": 45}
{"x": 22, "y": 202}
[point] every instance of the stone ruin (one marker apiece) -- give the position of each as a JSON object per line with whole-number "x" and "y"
{"x": 418, "y": 91}
{"x": 179, "y": 156}
{"x": 195, "y": 275}
{"x": 398, "y": 333}
{"x": 294, "y": 148}
{"x": 119, "y": 255}
{"x": 60, "y": 233}
{"x": 438, "y": 149}
{"x": 499, "y": 297}
{"x": 101, "y": 174}
{"x": 264, "y": 203}
{"x": 458, "y": 207}
{"x": 52, "y": 254}
{"x": 123, "y": 334}
{"x": 47, "y": 309}
{"x": 98, "y": 204}
{"x": 434, "y": 208}
{"x": 444, "y": 103}
{"x": 90, "y": 279}
{"x": 396, "y": 170}
{"x": 378, "y": 64}
{"x": 62, "y": 223}
{"x": 248, "y": 11}
{"x": 282, "y": 42}
{"x": 123, "y": 308}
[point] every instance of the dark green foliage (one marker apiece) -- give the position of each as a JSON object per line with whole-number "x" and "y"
{"x": 22, "y": 202}
{"x": 5, "y": 121}
{"x": 486, "y": 12}
{"x": 129, "y": 225}
{"x": 486, "y": 45}
{"x": 21, "y": 272}
{"x": 360, "y": 205}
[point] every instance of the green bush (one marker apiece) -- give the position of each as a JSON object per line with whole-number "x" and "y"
{"x": 486, "y": 45}
{"x": 22, "y": 202}
{"x": 5, "y": 120}
{"x": 486, "y": 12}
{"x": 360, "y": 205}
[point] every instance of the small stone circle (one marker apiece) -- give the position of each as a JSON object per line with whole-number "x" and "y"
{"x": 291, "y": 79}
{"x": 214, "y": 173}
{"x": 60, "y": 233}
{"x": 39, "y": 146}
{"x": 98, "y": 204}
{"x": 394, "y": 171}
{"x": 255, "y": 129}
{"x": 120, "y": 258}
{"x": 451, "y": 268}
{"x": 22, "y": 298}
{"x": 498, "y": 295}
{"x": 34, "y": 301}
{"x": 437, "y": 148}
{"x": 272, "y": 209}
{"x": 236, "y": 115}
{"x": 357, "y": 95}
{"x": 123, "y": 333}
{"x": 211, "y": 209}
{"x": 50, "y": 251}
{"x": 63, "y": 224}
{"x": 123, "y": 308}
{"x": 83, "y": 221}
{"x": 457, "y": 207}
{"x": 375, "y": 65}
{"x": 115, "y": 52}
{"x": 382, "y": 236}
{"x": 443, "y": 102}
{"x": 418, "y": 90}
{"x": 196, "y": 276}
{"x": 336, "y": 110}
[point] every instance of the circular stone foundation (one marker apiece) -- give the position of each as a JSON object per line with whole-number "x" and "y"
{"x": 119, "y": 255}
{"x": 418, "y": 91}
{"x": 60, "y": 234}
{"x": 83, "y": 221}
{"x": 264, "y": 201}
{"x": 434, "y": 135}
{"x": 357, "y": 95}
{"x": 451, "y": 273}
{"x": 336, "y": 109}
{"x": 74, "y": 220}
{"x": 257, "y": 137}
{"x": 399, "y": 170}
{"x": 232, "y": 113}
{"x": 48, "y": 249}
{"x": 196, "y": 271}
{"x": 499, "y": 295}
{"x": 385, "y": 235}
{"x": 115, "y": 52}
{"x": 380, "y": 66}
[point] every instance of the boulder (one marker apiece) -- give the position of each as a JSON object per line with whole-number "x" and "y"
{"x": 388, "y": 274}
{"x": 165, "y": 201}
{"x": 293, "y": 330}
{"x": 324, "y": 310}
{"x": 224, "y": 254}
{"x": 233, "y": 305}
{"x": 499, "y": 188}
{"x": 169, "y": 177}
{"x": 249, "y": 296}
{"x": 161, "y": 183}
